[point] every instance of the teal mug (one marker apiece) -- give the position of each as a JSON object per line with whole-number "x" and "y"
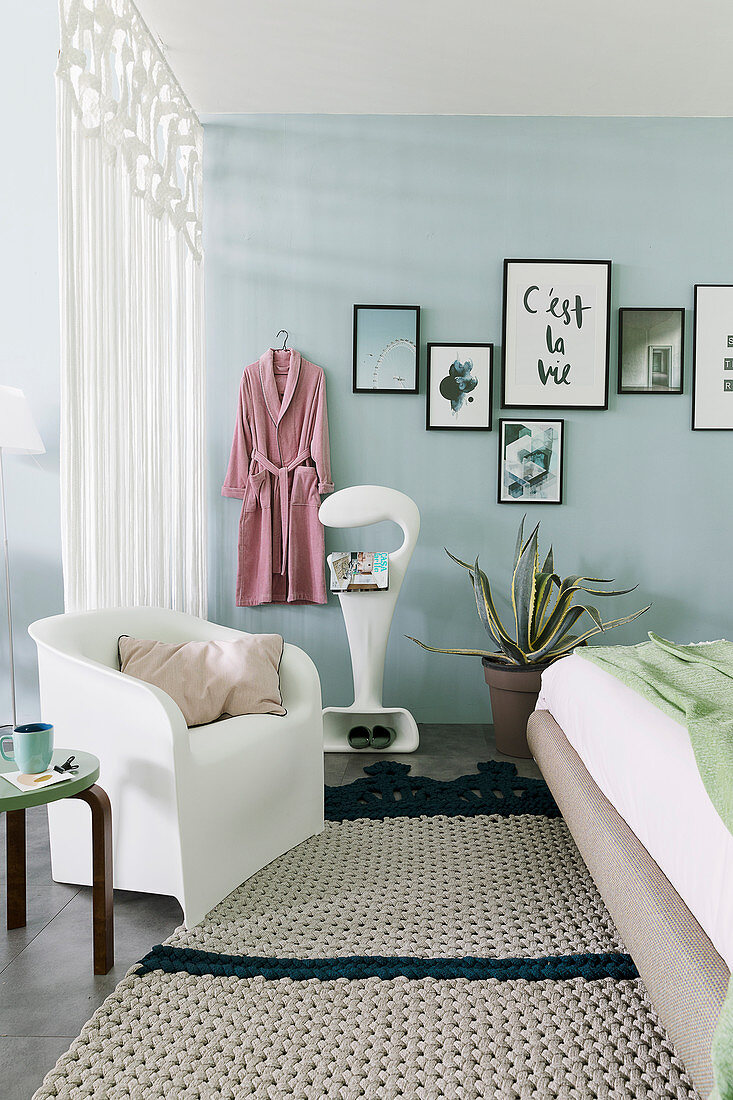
{"x": 32, "y": 747}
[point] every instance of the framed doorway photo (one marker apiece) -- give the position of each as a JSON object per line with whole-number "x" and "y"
{"x": 386, "y": 349}
{"x": 459, "y": 387}
{"x": 712, "y": 358}
{"x": 530, "y": 461}
{"x": 556, "y": 322}
{"x": 651, "y": 350}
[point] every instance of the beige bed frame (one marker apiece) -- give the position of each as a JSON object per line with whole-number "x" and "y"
{"x": 684, "y": 975}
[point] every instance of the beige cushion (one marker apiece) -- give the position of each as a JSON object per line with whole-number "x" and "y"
{"x": 210, "y": 679}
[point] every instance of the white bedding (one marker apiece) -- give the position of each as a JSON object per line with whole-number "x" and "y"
{"x": 643, "y": 762}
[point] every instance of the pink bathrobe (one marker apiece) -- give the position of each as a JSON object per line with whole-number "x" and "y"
{"x": 279, "y": 464}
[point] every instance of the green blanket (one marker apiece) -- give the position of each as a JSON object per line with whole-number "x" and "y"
{"x": 693, "y": 684}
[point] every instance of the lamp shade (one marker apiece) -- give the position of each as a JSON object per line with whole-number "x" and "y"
{"x": 18, "y": 433}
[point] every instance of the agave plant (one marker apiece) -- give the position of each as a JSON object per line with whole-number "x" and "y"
{"x": 542, "y": 625}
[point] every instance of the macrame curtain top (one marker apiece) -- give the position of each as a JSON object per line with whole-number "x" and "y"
{"x": 124, "y": 92}
{"x": 133, "y": 505}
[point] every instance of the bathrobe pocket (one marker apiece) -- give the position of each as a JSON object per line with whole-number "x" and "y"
{"x": 305, "y": 486}
{"x": 254, "y": 495}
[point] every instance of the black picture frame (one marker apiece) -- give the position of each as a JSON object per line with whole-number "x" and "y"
{"x": 597, "y": 406}
{"x": 637, "y": 391}
{"x": 526, "y": 500}
{"x": 461, "y": 345}
{"x": 725, "y": 340}
{"x": 410, "y": 390}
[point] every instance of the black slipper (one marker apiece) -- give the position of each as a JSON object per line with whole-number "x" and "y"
{"x": 359, "y": 737}
{"x": 382, "y": 737}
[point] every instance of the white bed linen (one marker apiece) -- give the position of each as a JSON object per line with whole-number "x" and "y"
{"x": 643, "y": 762}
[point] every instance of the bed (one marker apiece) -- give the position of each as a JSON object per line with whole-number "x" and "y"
{"x": 624, "y": 776}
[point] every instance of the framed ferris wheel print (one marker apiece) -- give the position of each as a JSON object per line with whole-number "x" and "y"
{"x": 386, "y": 349}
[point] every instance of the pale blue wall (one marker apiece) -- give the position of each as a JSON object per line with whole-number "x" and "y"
{"x": 307, "y": 215}
{"x": 29, "y": 331}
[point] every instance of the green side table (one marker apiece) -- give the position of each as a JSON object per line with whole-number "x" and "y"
{"x": 82, "y": 785}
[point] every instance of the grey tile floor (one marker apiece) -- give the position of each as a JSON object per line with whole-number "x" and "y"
{"x": 47, "y": 988}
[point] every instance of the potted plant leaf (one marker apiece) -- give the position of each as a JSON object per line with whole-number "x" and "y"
{"x": 545, "y": 613}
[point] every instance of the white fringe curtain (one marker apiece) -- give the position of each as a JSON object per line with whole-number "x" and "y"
{"x": 132, "y": 404}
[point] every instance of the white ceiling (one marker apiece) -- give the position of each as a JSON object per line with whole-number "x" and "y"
{"x": 514, "y": 57}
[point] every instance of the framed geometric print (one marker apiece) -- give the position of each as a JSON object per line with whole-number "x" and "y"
{"x": 530, "y": 461}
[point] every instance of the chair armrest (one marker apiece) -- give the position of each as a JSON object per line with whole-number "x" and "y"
{"x": 300, "y": 683}
{"x": 110, "y": 698}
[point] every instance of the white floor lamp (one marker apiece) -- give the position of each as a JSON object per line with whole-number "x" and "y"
{"x": 18, "y": 436}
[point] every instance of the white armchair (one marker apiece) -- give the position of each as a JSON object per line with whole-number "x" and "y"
{"x": 195, "y": 812}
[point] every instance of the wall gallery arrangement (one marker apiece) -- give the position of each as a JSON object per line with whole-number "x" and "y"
{"x": 556, "y": 320}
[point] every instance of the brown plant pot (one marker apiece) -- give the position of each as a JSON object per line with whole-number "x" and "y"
{"x": 513, "y": 690}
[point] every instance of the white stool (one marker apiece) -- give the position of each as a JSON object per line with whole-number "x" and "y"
{"x": 368, "y": 618}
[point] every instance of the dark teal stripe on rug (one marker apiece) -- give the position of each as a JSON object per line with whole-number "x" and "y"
{"x": 390, "y": 791}
{"x": 589, "y": 966}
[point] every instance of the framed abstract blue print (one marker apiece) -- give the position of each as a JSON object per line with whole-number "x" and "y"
{"x": 459, "y": 387}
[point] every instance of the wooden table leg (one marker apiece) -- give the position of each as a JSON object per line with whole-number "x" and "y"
{"x": 103, "y": 914}
{"x": 15, "y": 862}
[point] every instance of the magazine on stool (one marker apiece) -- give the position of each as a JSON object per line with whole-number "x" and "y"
{"x": 359, "y": 571}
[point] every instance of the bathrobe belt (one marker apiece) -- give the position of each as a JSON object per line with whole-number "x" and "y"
{"x": 281, "y": 472}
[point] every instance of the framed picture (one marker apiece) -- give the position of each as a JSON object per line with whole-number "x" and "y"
{"x": 651, "y": 350}
{"x": 459, "y": 387}
{"x": 530, "y": 461}
{"x": 712, "y": 359}
{"x": 386, "y": 349}
{"x": 556, "y": 321}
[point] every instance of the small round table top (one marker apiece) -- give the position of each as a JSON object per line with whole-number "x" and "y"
{"x": 13, "y": 799}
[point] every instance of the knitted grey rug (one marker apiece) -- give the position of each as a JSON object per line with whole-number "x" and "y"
{"x": 463, "y": 953}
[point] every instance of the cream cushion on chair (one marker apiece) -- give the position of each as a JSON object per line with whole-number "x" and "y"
{"x": 210, "y": 679}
